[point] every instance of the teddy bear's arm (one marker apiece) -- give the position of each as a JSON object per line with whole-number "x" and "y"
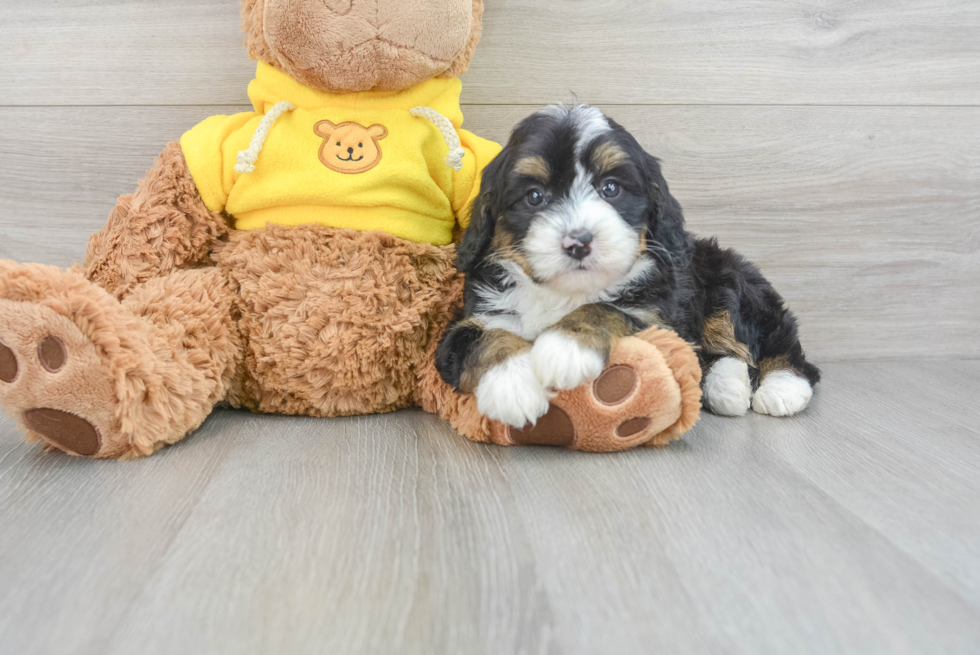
{"x": 466, "y": 182}
{"x": 163, "y": 226}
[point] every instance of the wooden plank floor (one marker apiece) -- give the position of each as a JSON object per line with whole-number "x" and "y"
{"x": 852, "y": 528}
{"x": 835, "y": 143}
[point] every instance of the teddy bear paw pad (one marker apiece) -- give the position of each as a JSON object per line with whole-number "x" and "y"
{"x": 64, "y": 430}
{"x": 553, "y": 429}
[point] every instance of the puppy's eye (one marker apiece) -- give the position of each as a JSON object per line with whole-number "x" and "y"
{"x": 360, "y": 145}
{"x": 338, "y": 143}
{"x": 535, "y": 197}
{"x": 610, "y": 189}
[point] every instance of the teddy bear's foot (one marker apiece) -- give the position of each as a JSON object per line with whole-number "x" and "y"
{"x": 91, "y": 376}
{"x": 647, "y": 395}
{"x": 53, "y": 381}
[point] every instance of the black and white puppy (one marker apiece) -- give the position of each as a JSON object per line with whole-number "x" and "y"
{"x": 574, "y": 241}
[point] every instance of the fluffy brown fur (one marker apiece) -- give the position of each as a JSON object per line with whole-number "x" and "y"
{"x": 336, "y": 321}
{"x": 162, "y": 227}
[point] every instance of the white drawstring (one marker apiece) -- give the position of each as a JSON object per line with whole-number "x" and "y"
{"x": 456, "y": 152}
{"x": 247, "y": 158}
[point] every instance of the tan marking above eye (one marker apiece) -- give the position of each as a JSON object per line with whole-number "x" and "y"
{"x": 533, "y": 167}
{"x": 608, "y": 156}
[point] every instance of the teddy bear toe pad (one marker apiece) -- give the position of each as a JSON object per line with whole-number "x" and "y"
{"x": 8, "y": 364}
{"x": 52, "y": 354}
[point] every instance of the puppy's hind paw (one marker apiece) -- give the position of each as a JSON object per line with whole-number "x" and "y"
{"x": 511, "y": 393}
{"x": 782, "y": 393}
{"x": 561, "y": 363}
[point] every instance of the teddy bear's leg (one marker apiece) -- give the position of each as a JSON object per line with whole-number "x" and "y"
{"x": 647, "y": 395}
{"x": 163, "y": 227}
{"x": 93, "y": 376}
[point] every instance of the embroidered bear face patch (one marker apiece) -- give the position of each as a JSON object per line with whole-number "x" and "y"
{"x": 350, "y": 147}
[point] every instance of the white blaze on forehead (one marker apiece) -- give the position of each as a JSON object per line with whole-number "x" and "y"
{"x": 590, "y": 123}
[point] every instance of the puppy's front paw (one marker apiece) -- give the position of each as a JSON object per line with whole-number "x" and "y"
{"x": 561, "y": 363}
{"x": 511, "y": 393}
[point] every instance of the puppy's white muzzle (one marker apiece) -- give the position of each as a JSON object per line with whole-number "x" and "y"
{"x": 580, "y": 245}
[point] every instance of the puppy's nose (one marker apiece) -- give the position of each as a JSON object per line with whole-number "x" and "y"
{"x": 577, "y": 244}
{"x": 350, "y": 151}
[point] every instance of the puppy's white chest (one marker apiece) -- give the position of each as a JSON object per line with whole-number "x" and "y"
{"x": 527, "y": 310}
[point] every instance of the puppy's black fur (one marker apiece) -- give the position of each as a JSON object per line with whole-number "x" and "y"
{"x": 691, "y": 284}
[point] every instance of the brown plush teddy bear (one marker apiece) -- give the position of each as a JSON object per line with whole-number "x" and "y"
{"x": 298, "y": 259}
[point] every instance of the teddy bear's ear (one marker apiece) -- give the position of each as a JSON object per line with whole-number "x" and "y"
{"x": 253, "y": 22}
{"x": 377, "y": 132}
{"x": 324, "y": 129}
{"x": 462, "y": 62}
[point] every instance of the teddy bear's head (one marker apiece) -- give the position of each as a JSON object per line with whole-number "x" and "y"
{"x": 344, "y": 46}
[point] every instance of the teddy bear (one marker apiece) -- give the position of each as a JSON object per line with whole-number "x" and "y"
{"x": 299, "y": 259}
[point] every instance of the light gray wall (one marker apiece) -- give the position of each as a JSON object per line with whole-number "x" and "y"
{"x": 836, "y": 144}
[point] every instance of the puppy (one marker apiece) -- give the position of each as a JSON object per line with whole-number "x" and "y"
{"x": 575, "y": 241}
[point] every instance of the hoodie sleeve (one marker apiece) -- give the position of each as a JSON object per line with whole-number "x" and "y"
{"x": 211, "y": 150}
{"x": 466, "y": 183}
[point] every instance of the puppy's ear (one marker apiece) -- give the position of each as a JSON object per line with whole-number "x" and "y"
{"x": 665, "y": 221}
{"x": 483, "y": 220}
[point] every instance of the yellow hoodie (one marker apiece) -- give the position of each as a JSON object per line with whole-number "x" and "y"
{"x": 369, "y": 161}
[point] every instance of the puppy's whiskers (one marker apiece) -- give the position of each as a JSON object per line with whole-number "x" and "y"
{"x": 509, "y": 252}
{"x": 657, "y": 248}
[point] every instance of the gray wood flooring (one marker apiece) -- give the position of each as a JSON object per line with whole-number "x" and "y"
{"x": 835, "y": 143}
{"x": 852, "y": 528}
